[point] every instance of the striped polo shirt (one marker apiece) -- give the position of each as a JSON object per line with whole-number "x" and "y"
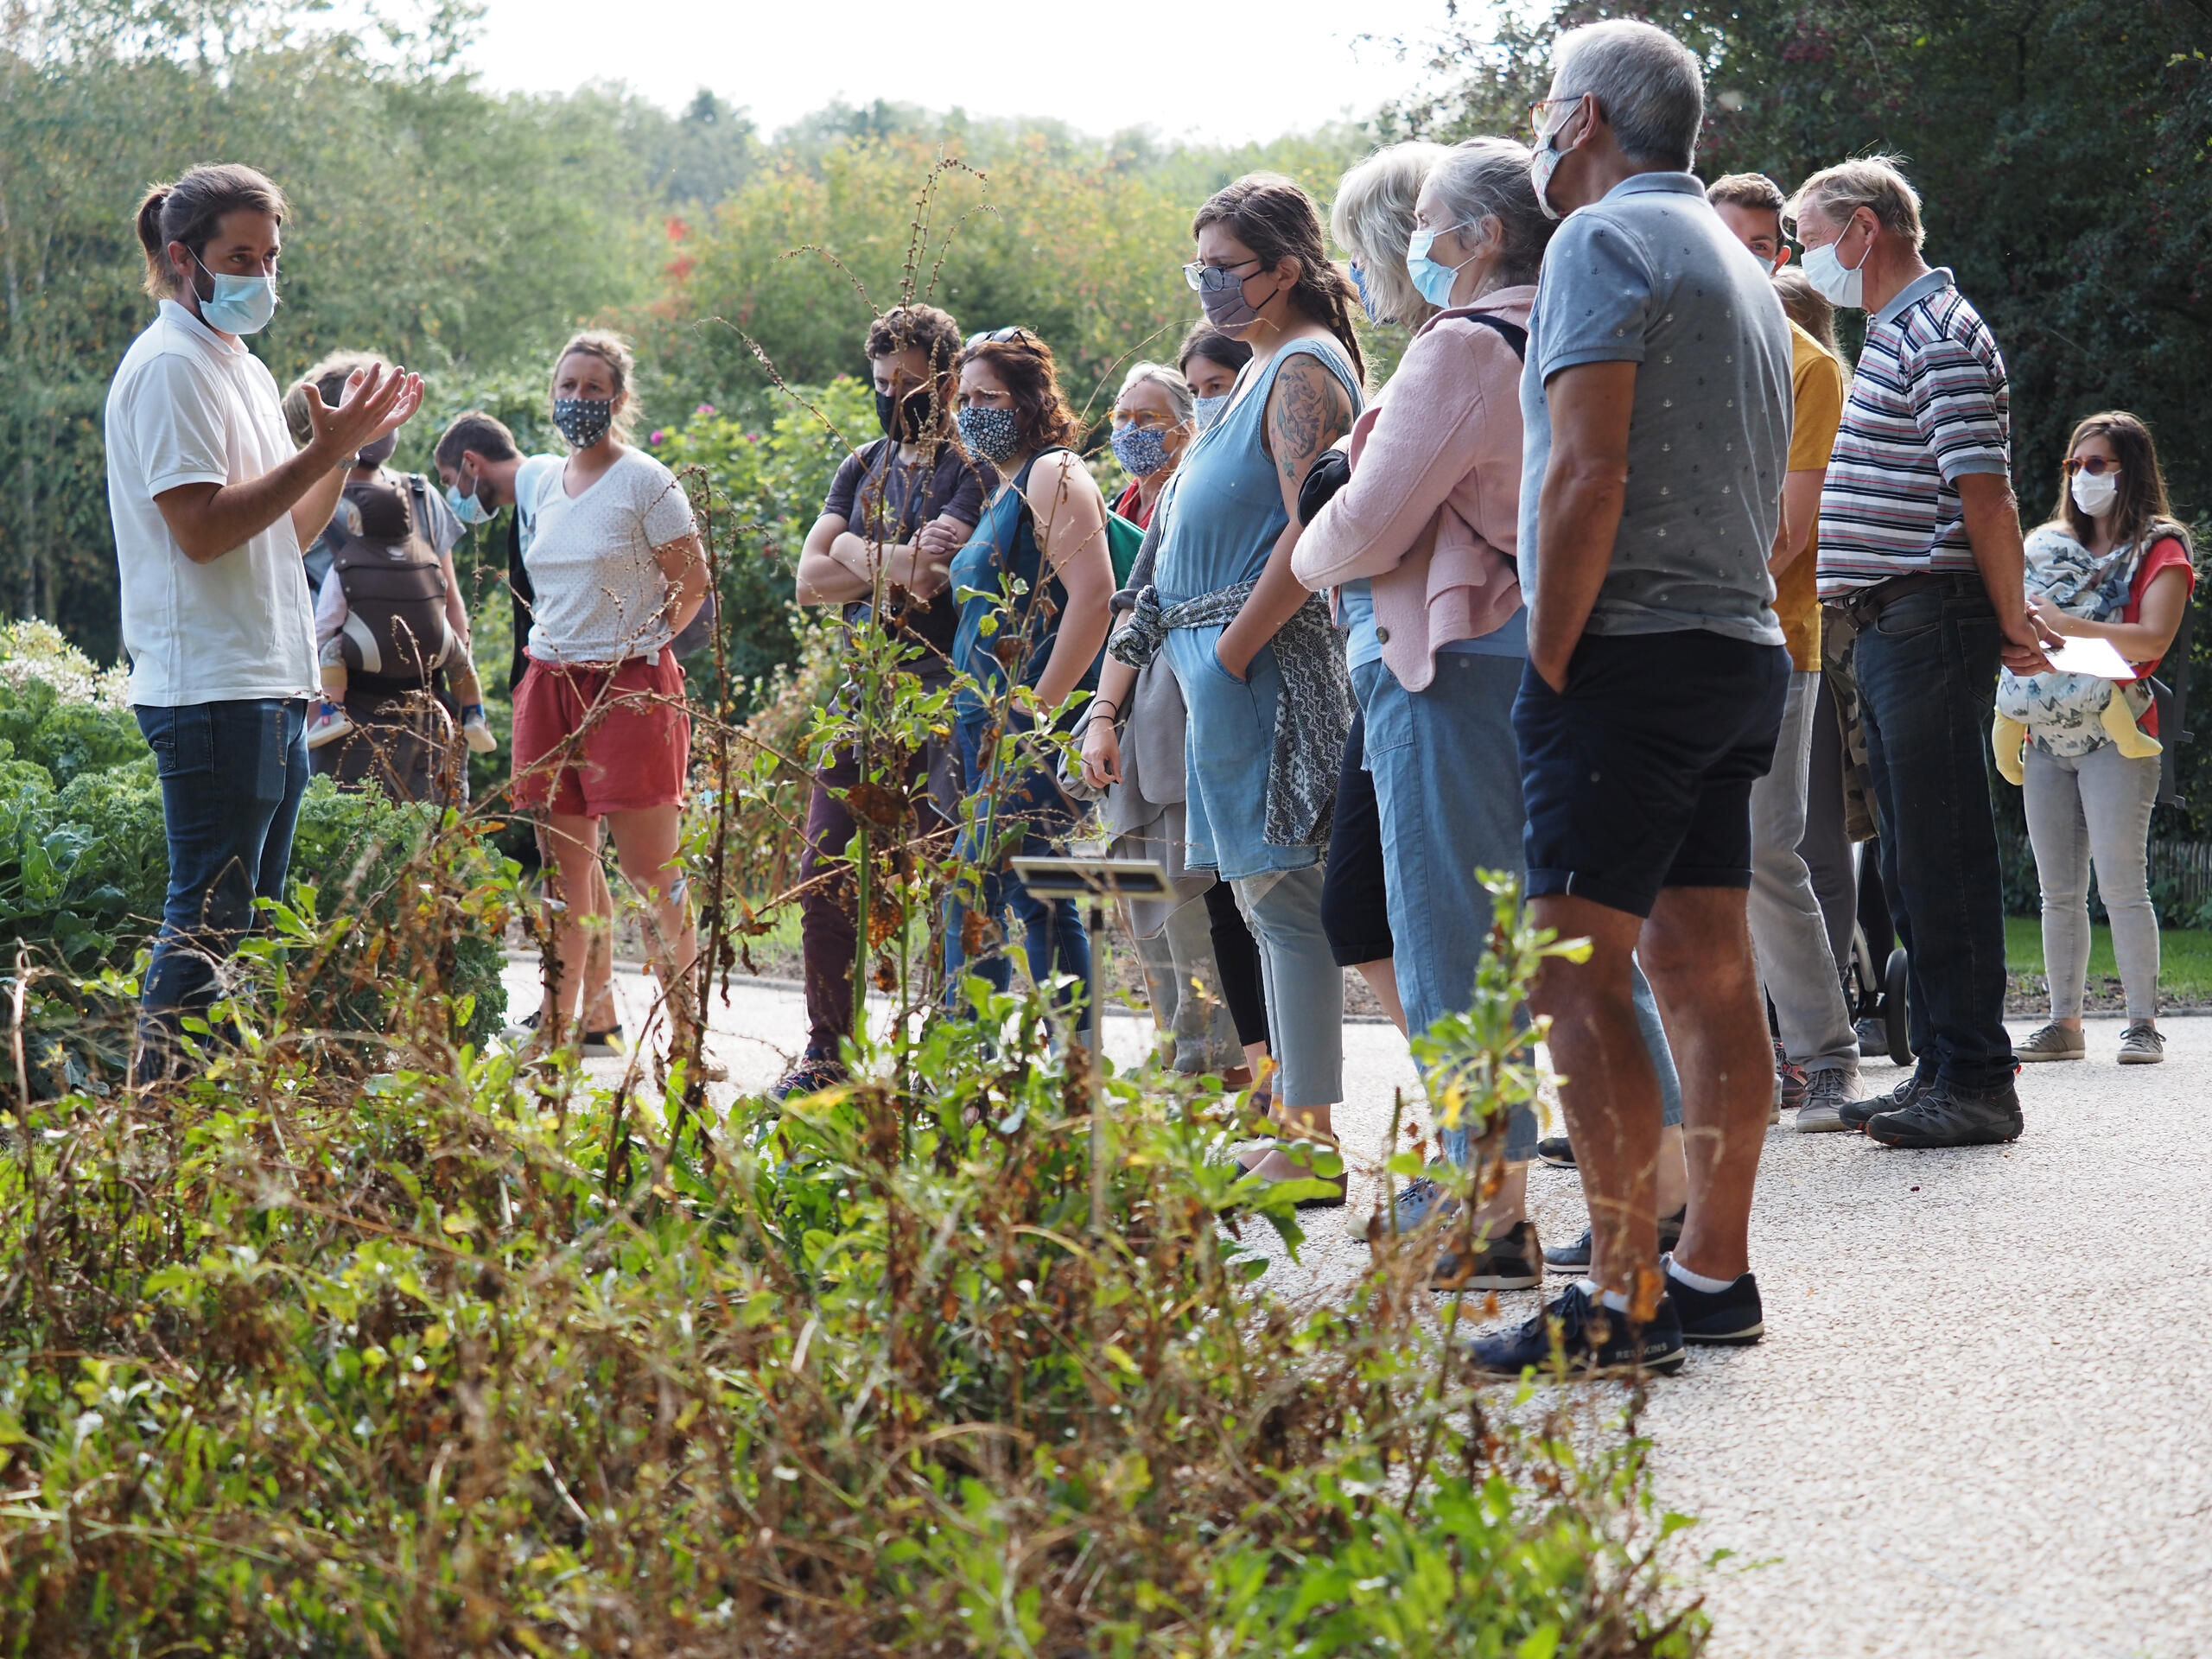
{"x": 1929, "y": 404}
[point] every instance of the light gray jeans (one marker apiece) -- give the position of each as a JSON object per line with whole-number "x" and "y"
{"x": 2084, "y": 808}
{"x": 1304, "y": 986}
{"x": 1186, "y": 987}
{"x": 1790, "y": 934}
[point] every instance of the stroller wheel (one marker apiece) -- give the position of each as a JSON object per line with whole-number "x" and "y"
{"x": 1897, "y": 1007}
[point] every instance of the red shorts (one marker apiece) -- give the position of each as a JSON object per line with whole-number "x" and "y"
{"x": 592, "y": 741}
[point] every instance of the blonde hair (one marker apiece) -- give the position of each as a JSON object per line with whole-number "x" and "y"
{"x": 1809, "y": 310}
{"x": 1372, "y": 219}
{"x": 614, "y": 351}
{"x": 1875, "y": 182}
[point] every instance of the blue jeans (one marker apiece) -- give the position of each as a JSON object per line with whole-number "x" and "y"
{"x": 232, "y": 776}
{"x": 1927, "y": 671}
{"x": 1054, "y": 937}
{"x": 1448, "y": 786}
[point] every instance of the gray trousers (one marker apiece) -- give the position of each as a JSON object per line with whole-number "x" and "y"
{"x": 1790, "y": 934}
{"x": 2084, "y": 808}
{"x": 1304, "y": 986}
{"x": 1186, "y": 988}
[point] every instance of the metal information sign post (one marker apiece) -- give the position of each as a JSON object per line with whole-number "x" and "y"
{"x": 1097, "y": 879}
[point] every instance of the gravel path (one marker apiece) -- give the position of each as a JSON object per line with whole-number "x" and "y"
{"x": 1981, "y": 1420}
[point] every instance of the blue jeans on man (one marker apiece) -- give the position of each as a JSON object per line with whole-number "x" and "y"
{"x": 1927, "y": 672}
{"x": 232, "y": 776}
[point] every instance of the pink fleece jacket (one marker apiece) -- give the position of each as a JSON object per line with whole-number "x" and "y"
{"x": 1431, "y": 512}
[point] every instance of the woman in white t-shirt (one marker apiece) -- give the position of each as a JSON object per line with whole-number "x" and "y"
{"x": 600, "y": 726}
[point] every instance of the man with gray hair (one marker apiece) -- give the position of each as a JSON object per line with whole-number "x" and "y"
{"x": 1656, "y": 407}
{"x": 1920, "y": 543}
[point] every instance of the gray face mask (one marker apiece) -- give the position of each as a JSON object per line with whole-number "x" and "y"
{"x": 373, "y": 456}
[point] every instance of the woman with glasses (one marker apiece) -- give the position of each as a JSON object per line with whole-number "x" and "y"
{"x": 1261, "y": 668}
{"x": 2110, "y": 564}
{"x": 1032, "y": 584}
{"x": 1151, "y": 428}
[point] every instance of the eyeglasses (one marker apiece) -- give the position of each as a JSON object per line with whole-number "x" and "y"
{"x": 2095, "y": 466}
{"x": 1536, "y": 111}
{"x": 1213, "y": 278}
{"x": 1004, "y": 337}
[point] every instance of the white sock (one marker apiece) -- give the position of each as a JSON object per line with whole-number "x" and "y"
{"x": 1696, "y": 1281}
{"x": 1613, "y": 1298}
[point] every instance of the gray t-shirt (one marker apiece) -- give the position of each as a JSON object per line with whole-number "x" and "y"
{"x": 1650, "y": 276}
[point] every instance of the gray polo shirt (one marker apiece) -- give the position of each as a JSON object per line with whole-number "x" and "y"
{"x": 1650, "y": 276}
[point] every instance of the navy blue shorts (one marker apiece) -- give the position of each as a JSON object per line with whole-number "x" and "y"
{"x": 1639, "y": 776}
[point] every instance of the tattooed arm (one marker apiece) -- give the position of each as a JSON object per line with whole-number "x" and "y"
{"x": 1307, "y": 411}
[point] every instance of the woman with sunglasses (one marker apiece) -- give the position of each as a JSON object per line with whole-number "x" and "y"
{"x": 1261, "y": 667}
{"x": 2112, "y": 564}
{"x": 1032, "y": 584}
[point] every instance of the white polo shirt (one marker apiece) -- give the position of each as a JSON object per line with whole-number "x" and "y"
{"x": 188, "y": 407}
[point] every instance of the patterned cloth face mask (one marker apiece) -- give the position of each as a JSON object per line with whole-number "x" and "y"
{"x": 583, "y": 421}
{"x": 1205, "y": 411}
{"x": 991, "y": 434}
{"x": 1142, "y": 451}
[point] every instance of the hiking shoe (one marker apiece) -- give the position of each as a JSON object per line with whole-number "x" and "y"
{"x": 1873, "y": 1039}
{"x": 813, "y": 1073}
{"x": 2055, "y": 1042}
{"x": 1575, "y": 1257}
{"x": 1828, "y": 1091}
{"x": 1513, "y": 1262}
{"x": 1856, "y": 1115}
{"x": 1791, "y": 1079}
{"x": 1948, "y": 1115}
{"x": 2142, "y": 1043}
{"x": 1557, "y": 1151}
{"x": 476, "y": 732}
{"x": 1719, "y": 1318}
{"x": 1590, "y": 1338}
{"x": 328, "y": 724}
{"x": 1419, "y": 1201}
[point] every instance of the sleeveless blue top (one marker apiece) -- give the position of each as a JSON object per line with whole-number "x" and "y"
{"x": 1012, "y": 581}
{"x": 1224, "y": 517}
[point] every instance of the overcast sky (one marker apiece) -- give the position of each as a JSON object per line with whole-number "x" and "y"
{"x": 1198, "y": 71}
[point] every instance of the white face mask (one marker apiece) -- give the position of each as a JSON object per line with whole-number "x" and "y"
{"x": 2094, "y": 492}
{"x": 1836, "y": 282}
{"x": 1546, "y": 161}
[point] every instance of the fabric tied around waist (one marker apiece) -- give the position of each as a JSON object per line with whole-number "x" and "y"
{"x": 1313, "y": 714}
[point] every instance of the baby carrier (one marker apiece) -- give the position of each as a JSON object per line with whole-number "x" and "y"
{"x": 396, "y": 632}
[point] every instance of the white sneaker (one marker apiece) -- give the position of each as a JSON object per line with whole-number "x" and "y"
{"x": 477, "y": 734}
{"x": 328, "y": 724}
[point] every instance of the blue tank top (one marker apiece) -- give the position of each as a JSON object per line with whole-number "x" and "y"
{"x": 1002, "y": 557}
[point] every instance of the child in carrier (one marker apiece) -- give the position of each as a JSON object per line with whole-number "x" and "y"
{"x": 386, "y": 608}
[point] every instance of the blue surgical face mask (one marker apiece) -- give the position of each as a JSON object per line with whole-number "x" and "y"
{"x": 992, "y": 435}
{"x": 240, "y": 305}
{"x": 1205, "y": 411}
{"x": 467, "y": 508}
{"x": 1142, "y": 451}
{"x": 1433, "y": 279}
{"x": 1366, "y": 301}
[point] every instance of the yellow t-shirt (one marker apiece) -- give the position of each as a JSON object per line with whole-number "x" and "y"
{"x": 1816, "y": 379}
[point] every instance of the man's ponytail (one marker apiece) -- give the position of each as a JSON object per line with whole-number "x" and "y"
{"x": 190, "y": 210}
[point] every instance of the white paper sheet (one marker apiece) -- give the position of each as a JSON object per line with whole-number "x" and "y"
{"x": 2099, "y": 658}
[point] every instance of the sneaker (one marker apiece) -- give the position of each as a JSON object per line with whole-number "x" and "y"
{"x": 1513, "y": 1262}
{"x": 2055, "y": 1042}
{"x": 1419, "y": 1201}
{"x": 1948, "y": 1115}
{"x": 476, "y": 732}
{"x": 1719, "y": 1318}
{"x": 328, "y": 724}
{"x": 1828, "y": 1091}
{"x": 610, "y": 1040}
{"x": 813, "y": 1073}
{"x": 1557, "y": 1151}
{"x": 1873, "y": 1039}
{"x": 1590, "y": 1338}
{"x": 2142, "y": 1043}
{"x": 1792, "y": 1078}
{"x": 1575, "y": 1257}
{"x": 1856, "y": 1115}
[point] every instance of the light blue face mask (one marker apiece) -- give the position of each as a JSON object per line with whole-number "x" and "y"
{"x": 1433, "y": 279}
{"x": 241, "y": 305}
{"x": 1366, "y": 301}
{"x": 470, "y": 511}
